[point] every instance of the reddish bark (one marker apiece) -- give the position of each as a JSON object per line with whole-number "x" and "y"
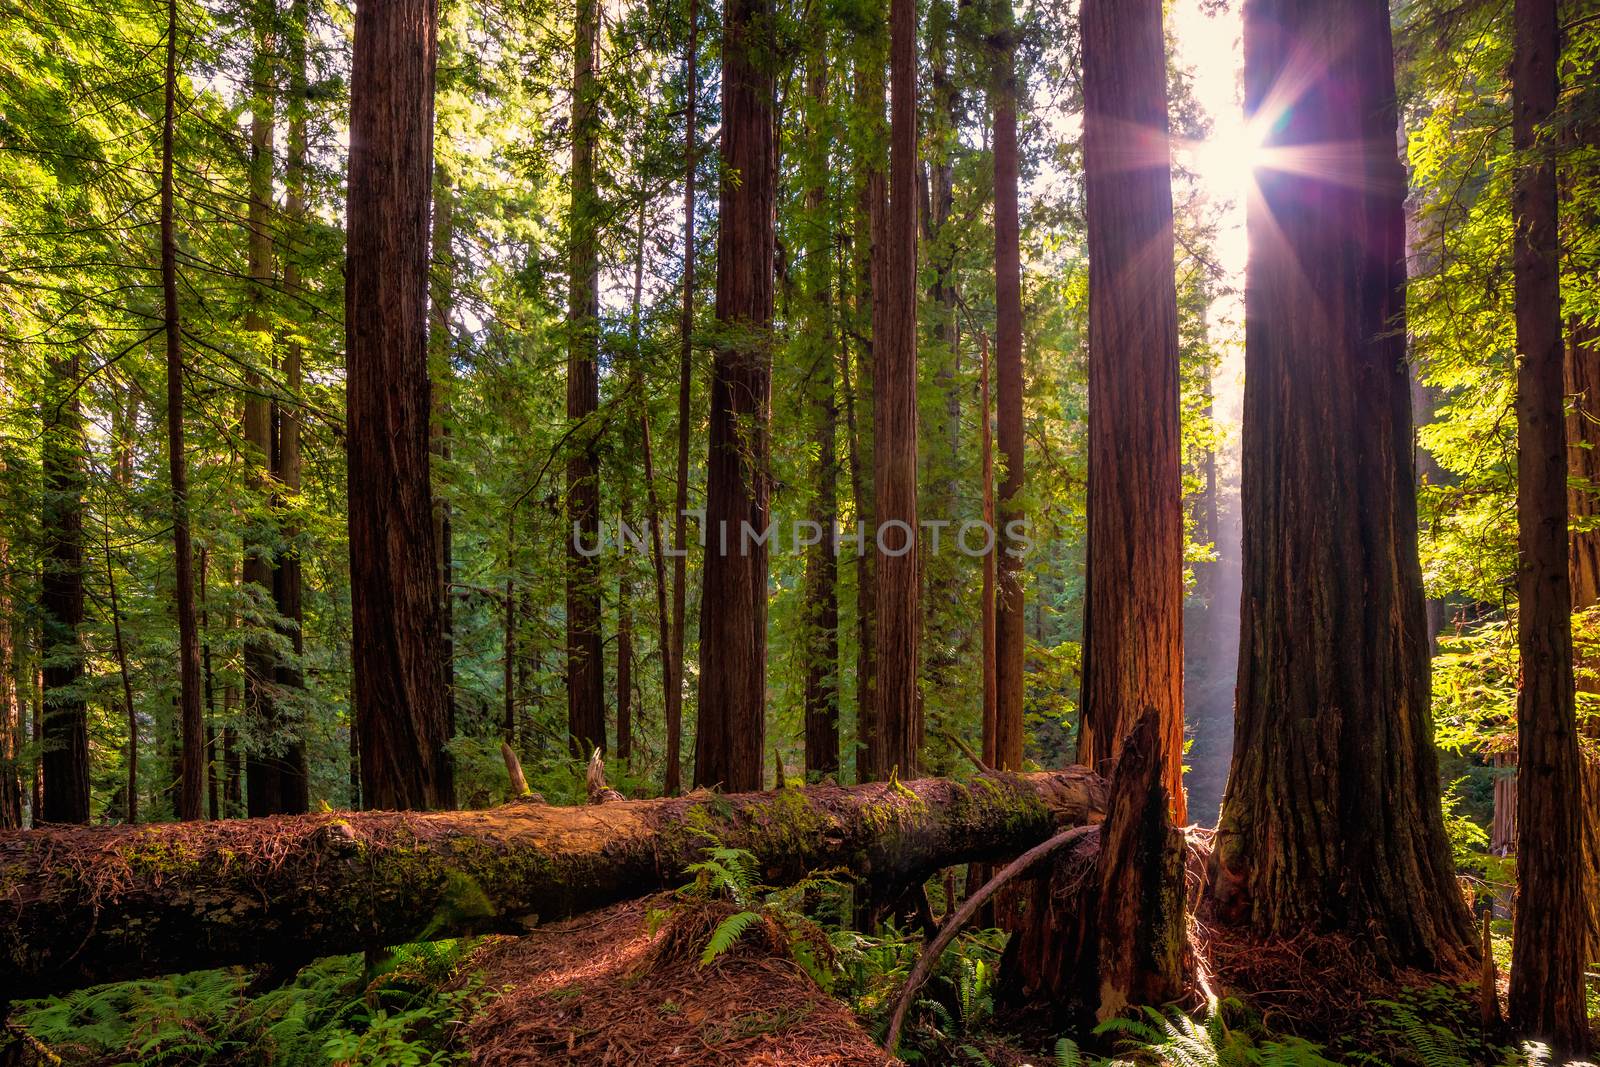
{"x": 1333, "y": 690}
{"x": 401, "y": 705}
{"x": 730, "y": 740}
{"x": 821, "y": 685}
{"x": 1010, "y": 633}
{"x": 898, "y": 609}
{"x": 1547, "y": 998}
{"x": 1133, "y": 619}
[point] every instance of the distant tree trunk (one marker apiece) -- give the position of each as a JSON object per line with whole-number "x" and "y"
{"x": 625, "y": 668}
{"x": 401, "y": 706}
{"x": 821, "y": 687}
{"x": 871, "y": 248}
{"x": 586, "y": 708}
{"x": 625, "y": 492}
{"x": 264, "y": 763}
{"x": 943, "y": 577}
{"x": 1333, "y": 699}
{"x": 10, "y": 698}
{"x": 191, "y": 787}
{"x": 295, "y": 780}
{"x": 441, "y": 352}
{"x": 730, "y": 740}
{"x": 232, "y": 787}
{"x": 987, "y": 621}
{"x": 1550, "y": 917}
{"x": 1133, "y": 617}
{"x": 131, "y": 797}
{"x": 508, "y": 721}
{"x": 61, "y": 719}
{"x": 898, "y": 609}
{"x": 1010, "y": 627}
{"x": 673, "y": 712}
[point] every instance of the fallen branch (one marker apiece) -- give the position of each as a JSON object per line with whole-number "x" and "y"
{"x": 85, "y": 905}
{"x": 952, "y": 925}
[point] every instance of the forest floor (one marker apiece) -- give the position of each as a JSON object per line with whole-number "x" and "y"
{"x": 616, "y": 988}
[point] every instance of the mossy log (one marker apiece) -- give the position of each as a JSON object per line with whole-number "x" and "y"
{"x": 88, "y": 905}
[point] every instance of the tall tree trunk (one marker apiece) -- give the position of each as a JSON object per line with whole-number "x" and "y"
{"x": 1582, "y": 216}
{"x": 898, "y": 608}
{"x": 673, "y": 780}
{"x": 586, "y": 709}
{"x": 625, "y": 492}
{"x": 295, "y": 781}
{"x": 871, "y": 255}
{"x": 1333, "y": 692}
{"x": 943, "y": 577}
{"x": 191, "y": 719}
{"x": 821, "y": 685}
{"x": 441, "y": 358}
{"x": 399, "y": 692}
{"x": 1133, "y": 617}
{"x": 508, "y": 720}
{"x": 986, "y": 617}
{"x": 1550, "y": 919}
{"x": 730, "y": 739}
{"x": 1011, "y": 643}
{"x": 61, "y": 717}
{"x": 264, "y": 762}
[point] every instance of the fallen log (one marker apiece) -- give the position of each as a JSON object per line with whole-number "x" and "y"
{"x": 88, "y": 905}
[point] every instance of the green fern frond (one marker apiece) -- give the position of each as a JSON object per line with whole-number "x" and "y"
{"x": 727, "y": 933}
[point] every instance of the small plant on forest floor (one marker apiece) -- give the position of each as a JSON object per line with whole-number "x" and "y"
{"x": 404, "y": 1013}
{"x": 728, "y": 877}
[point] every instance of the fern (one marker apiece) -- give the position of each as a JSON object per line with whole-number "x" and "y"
{"x": 727, "y": 934}
{"x": 1067, "y": 1053}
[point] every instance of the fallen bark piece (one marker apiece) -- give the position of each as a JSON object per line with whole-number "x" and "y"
{"x": 605, "y": 988}
{"x": 86, "y": 905}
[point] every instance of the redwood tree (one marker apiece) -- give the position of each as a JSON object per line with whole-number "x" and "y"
{"x": 398, "y": 676}
{"x": 586, "y": 669}
{"x": 821, "y": 686}
{"x": 729, "y": 742}
{"x": 191, "y": 721}
{"x": 898, "y": 616}
{"x": 1010, "y": 635}
{"x": 1133, "y": 621}
{"x": 264, "y": 760}
{"x": 1333, "y": 689}
{"x": 1547, "y": 997}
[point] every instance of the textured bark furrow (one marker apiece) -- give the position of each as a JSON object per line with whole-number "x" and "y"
{"x": 1133, "y": 625}
{"x": 1331, "y": 820}
{"x": 898, "y": 611}
{"x": 1547, "y": 995}
{"x": 1010, "y": 636}
{"x": 401, "y": 705}
{"x": 87, "y": 906}
{"x": 730, "y": 741}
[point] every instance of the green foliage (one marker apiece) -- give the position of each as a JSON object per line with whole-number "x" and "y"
{"x": 404, "y": 1014}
